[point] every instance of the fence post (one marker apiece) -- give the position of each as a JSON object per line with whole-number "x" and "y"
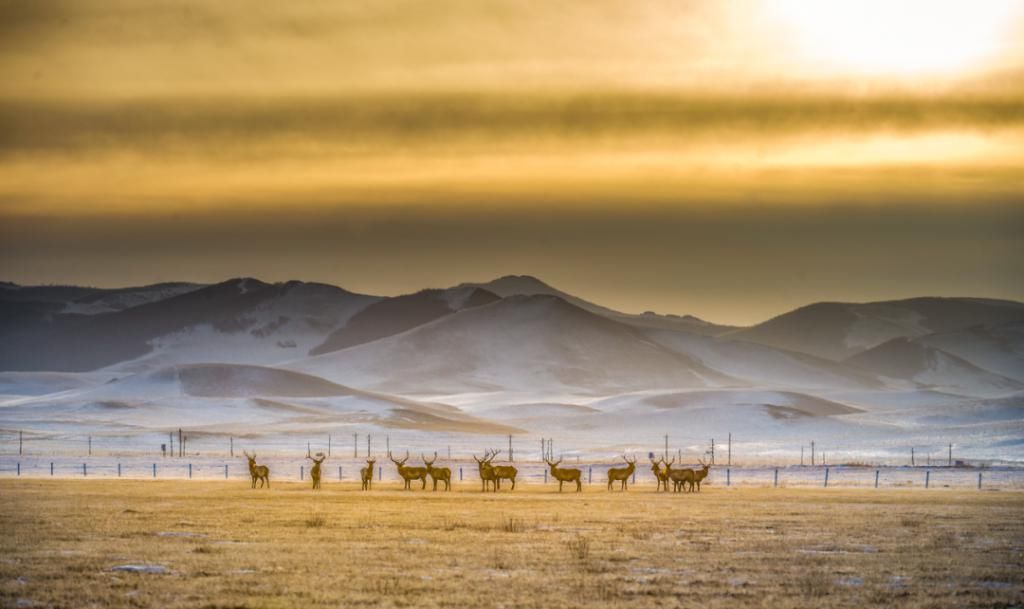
{"x": 189, "y": 471}
{"x": 545, "y": 476}
{"x": 927, "y": 477}
{"x": 339, "y": 472}
{"x": 826, "y": 477}
{"x": 225, "y": 471}
{"x": 728, "y": 477}
{"x": 460, "y": 474}
{"x": 979, "y": 481}
{"x": 19, "y": 468}
{"x": 300, "y": 472}
{"x": 380, "y": 473}
{"x": 154, "y": 470}
{"x": 590, "y": 475}
{"x": 83, "y": 470}
{"x": 118, "y": 470}
{"x": 776, "y": 477}
{"x": 51, "y": 468}
{"x": 634, "y": 477}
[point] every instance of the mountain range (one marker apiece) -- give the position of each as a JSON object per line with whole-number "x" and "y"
{"x": 510, "y": 354}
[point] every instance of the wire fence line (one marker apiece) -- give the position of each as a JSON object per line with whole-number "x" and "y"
{"x": 466, "y": 474}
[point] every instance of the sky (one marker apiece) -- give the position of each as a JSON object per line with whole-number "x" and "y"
{"x": 731, "y": 160}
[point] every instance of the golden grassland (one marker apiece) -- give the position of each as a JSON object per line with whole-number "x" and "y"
{"x": 225, "y": 545}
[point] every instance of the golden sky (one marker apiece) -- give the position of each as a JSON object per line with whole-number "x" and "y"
{"x": 726, "y": 159}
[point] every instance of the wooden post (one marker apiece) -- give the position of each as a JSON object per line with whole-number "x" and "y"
{"x": 90, "y": 446}
{"x": 84, "y": 473}
{"x": 181, "y": 449}
{"x": 355, "y": 446}
{"x": 729, "y": 459}
{"x": 950, "y": 464}
{"x": 308, "y": 454}
{"x": 911, "y": 456}
{"x": 51, "y": 468}
{"x": 634, "y": 476}
{"x": 225, "y": 471}
{"x": 300, "y": 472}
{"x": 20, "y": 442}
{"x": 979, "y": 481}
{"x": 118, "y": 470}
{"x": 590, "y": 474}
{"x": 232, "y": 450}
{"x": 712, "y": 451}
{"x": 801, "y": 455}
{"x": 189, "y": 471}
{"x": 19, "y": 468}
{"x": 328, "y": 445}
{"x": 812, "y": 453}
{"x": 380, "y": 473}
{"x": 367, "y": 446}
{"x": 339, "y": 473}
{"x": 170, "y": 442}
{"x": 776, "y": 477}
{"x": 449, "y": 452}
{"x": 460, "y": 473}
{"x": 728, "y": 477}
{"x": 545, "y": 476}
{"x": 154, "y": 470}
{"x": 665, "y": 454}
{"x": 927, "y": 478}
{"x": 510, "y": 456}
{"x": 876, "y": 478}
{"x": 826, "y": 477}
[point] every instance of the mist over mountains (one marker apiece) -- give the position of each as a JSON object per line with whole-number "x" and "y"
{"x": 511, "y": 355}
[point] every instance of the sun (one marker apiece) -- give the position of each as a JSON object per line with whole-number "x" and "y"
{"x": 897, "y": 36}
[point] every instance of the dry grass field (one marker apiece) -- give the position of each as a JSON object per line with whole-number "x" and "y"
{"x": 220, "y": 544}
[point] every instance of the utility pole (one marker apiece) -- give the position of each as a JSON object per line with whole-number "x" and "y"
{"x": 181, "y": 450}
{"x": 729, "y": 461}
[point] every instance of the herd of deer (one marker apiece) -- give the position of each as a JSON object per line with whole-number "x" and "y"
{"x": 491, "y": 475}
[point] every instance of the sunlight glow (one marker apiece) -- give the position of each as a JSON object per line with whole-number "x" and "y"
{"x": 898, "y": 36}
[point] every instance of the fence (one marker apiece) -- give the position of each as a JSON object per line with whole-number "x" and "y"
{"x": 348, "y": 470}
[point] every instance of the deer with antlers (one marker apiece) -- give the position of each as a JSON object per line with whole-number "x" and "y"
{"x": 367, "y": 474}
{"x": 410, "y": 473}
{"x": 503, "y": 472}
{"x": 565, "y": 474}
{"x": 679, "y": 477}
{"x": 486, "y": 471}
{"x": 438, "y": 473}
{"x": 659, "y": 475}
{"x": 314, "y": 472}
{"x": 700, "y": 475}
{"x": 258, "y": 472}
{"x": 622, "y": 474}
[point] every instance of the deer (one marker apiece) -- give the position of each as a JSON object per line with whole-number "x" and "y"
{"x": 438, "y": 473}
{"x": 503, "y": 472}
{"x": 679, "y": 477}
{"x": 700, "y": 474}
{"x": 409, "y": 473}
{"x": 314, "y": 472}
{"x": 486, "y": 471}
{"x": 661, "y": 476}
{"x": 367, "y": 474}
{"x": 622, "y": 474}
{"x": 567, "y": 474}
{"x": 258, "y": 472}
